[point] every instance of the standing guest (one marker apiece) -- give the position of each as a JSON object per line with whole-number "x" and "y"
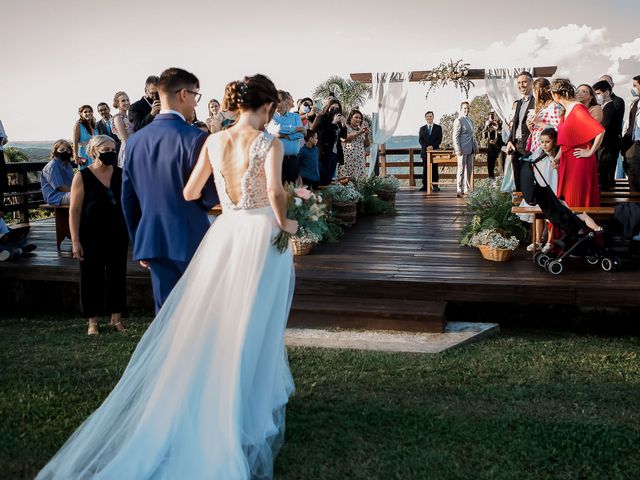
{"x": 216, "y": 118}
{"x": 165, "y": 228}
{"x": 516, "y": 146}
{"x": 619, "y": 106}
{"x": 104, "y": 126}
{"x": 307, "y": 111}
{"x": 492, "y": 133}
{"x": 83, "y": 130}
{"x": 587, "y": 97}
{"x": 122, "y": 126}
{"x": 607, "y": 154}
{"x": 465, "y": 147}
{"x": 508, "y": 182}
{"x": 579, "y": 136}
{"x": 57, "y": 175}
{"x": 308, "y": 160}
{"x": 631, "y": 139}
{"x": 290, "y": 132}
{"x": 3, "y": 169}
{"x": 330, "y": 125}
{"x": 430, "y": 138}
{"x": 355, "y": 147}
{"x": 99, "y": 235}
{"x": 142, "y": 112}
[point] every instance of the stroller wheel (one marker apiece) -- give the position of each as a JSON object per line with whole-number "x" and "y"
{"x": 617, "y": 264}
{"x": 555, "y": 267}
{"x": 607, "y": 264}
{"x": 541, "y": 259}
{"x": 592, "y": 260}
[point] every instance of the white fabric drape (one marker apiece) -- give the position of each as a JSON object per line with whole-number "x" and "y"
{"x": 502, "y": 90}
{"x": 389, "y": 95}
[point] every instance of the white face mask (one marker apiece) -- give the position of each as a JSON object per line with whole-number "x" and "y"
{"x": 599, "y": 98}
{"x": 634, "y": 92}
{"x": 305, "y": 109}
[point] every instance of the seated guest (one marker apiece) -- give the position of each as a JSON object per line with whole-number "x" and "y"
{"x": 430, "y": 137}
{"x": 57, "y": 175}
{"x": 13, "y": 241}
{"x": 99, "y": 235}
{"x": 587, "y": 97}
{"x": 607, "y": 154}
{"x": 308, "y": 160}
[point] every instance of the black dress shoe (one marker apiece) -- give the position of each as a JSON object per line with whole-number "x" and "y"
{"x": 435, "y": 188}
{"x": 423, "y": 189}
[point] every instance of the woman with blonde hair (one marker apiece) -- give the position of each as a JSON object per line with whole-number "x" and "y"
{"x": 99, "y": 235}
{"x": 121, "y": 125}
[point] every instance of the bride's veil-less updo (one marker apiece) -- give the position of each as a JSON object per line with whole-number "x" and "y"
{"x": 563, "y": 87}
{"x": 251, "y": 93}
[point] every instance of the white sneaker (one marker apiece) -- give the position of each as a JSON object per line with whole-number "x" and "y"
{"x": 536, "y": 245}
{"x": 4, "y": 255}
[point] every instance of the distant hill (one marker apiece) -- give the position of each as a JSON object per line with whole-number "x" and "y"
{"x": 36, "y": 151}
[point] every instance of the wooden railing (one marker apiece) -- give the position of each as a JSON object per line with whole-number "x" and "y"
{"x": 23, "y": 194}
{"x": 386, "y": 161}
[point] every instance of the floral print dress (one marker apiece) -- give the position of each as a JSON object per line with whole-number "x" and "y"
{"x": 354, "y": 156}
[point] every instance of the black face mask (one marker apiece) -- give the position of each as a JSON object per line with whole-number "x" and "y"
{"x": 108, "y": 158}
{"x": 64, "y": 156}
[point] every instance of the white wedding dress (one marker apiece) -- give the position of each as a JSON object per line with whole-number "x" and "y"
{"x": 204, "y": 394}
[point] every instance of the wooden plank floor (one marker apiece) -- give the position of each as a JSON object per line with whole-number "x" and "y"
{"x": 413, "y": 256}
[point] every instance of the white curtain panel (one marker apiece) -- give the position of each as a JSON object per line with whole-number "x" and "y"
{"x": 502, "y": 90}
{"x": 389, "y": 95}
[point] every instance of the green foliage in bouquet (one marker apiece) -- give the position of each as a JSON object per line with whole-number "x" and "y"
{"x": 491, "y": 209}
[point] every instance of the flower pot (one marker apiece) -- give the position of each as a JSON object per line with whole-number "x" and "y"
{"x": 495, "y": 254}
{"x": 346, "y": 213}
{"x": 389, "y": 197}
{"x": 300, "y": 248}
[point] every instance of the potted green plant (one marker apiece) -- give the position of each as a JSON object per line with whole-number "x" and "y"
{"x": 490, "y": 212}
{"x": 371, "y": 203}
{"x": 344, "y": 199}
{"x": 387, "y": 187}
{"x": 493, "y": 245}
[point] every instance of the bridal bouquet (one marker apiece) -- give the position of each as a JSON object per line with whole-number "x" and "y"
{"x": 308, "y": 209}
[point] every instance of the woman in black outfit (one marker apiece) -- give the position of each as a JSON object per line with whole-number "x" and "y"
{"x": 331, "y": 127}
{"x": 99, "y": 234}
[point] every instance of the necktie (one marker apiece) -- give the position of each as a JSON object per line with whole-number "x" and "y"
{"x": 429, "y": 130}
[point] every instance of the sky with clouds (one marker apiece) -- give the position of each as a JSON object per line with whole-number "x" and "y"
{"x": 59, "y": 55}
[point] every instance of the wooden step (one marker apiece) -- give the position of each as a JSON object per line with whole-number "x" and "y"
{"x": 312, "y": 311}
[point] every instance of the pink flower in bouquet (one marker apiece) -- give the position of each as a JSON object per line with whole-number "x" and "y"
{"x": 303, "y": 193}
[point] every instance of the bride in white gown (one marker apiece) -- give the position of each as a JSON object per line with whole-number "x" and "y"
{"x": 204, "y": 394}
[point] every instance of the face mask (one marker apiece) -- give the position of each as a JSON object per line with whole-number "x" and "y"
{"x": 634, "y": 92}
{"x": 599, "y": 98}
{"x": 305, "y": 109}
{"x": 64, "y": 156}
{"x": 108, "y": 158}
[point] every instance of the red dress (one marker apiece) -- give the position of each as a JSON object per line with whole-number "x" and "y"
{"x": 578, "y": 177}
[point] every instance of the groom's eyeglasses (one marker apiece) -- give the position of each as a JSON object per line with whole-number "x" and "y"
{"x": 197, "y": 95}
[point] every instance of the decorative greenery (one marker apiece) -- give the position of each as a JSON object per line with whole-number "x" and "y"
{"x": 491, "y": 209}
{"x": 342, "y": 195}
{"x": 351, "y": 93}
{"x": 494, "y": 239}
{"x": 455, "y": 72}
{"x": 387, "y": 184}
{"x": 335, "y": 229}
{"x": 370, "y": 203}
{"x": 15, "y": 155}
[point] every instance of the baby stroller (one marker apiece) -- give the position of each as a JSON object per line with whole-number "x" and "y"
{"x": 578, "y": 239}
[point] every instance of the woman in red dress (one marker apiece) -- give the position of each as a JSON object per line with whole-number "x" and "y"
{"x": 579, "y": 136}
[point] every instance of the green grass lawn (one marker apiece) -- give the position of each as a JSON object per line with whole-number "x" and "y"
{"x": 519, "y": 406}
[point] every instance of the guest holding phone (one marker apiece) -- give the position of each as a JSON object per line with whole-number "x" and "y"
{"x": 142, "y": 112}
{"x": 354, "y": 147}
{"x": 331, "y": 127}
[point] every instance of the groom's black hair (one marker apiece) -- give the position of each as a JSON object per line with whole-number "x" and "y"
{"x": 172, "y": 80}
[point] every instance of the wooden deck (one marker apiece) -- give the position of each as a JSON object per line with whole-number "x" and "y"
{"x": 411, "y": 257}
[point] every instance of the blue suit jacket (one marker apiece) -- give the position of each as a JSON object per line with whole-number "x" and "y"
{"x": 158, "y": 161}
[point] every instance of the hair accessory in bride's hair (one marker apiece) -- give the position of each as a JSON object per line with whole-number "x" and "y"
{"x": 241, "y": 92}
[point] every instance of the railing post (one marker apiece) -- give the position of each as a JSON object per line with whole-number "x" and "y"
{"x": 23, "y": 180}
{"x": 412, "y": 181}
{"x": 383, "y": 159}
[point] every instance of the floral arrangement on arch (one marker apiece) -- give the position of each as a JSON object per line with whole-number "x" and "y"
{"x": 309, "y": 210}
{"x": 456, "y": 72}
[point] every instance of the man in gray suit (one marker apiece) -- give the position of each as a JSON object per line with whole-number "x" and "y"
{"x": 465, "y": 147}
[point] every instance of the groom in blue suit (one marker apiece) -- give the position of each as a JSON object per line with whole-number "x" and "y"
{"x": 165, "y": 228}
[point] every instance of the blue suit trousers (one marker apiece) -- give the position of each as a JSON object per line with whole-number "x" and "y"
{"x": 165, "y": 273}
